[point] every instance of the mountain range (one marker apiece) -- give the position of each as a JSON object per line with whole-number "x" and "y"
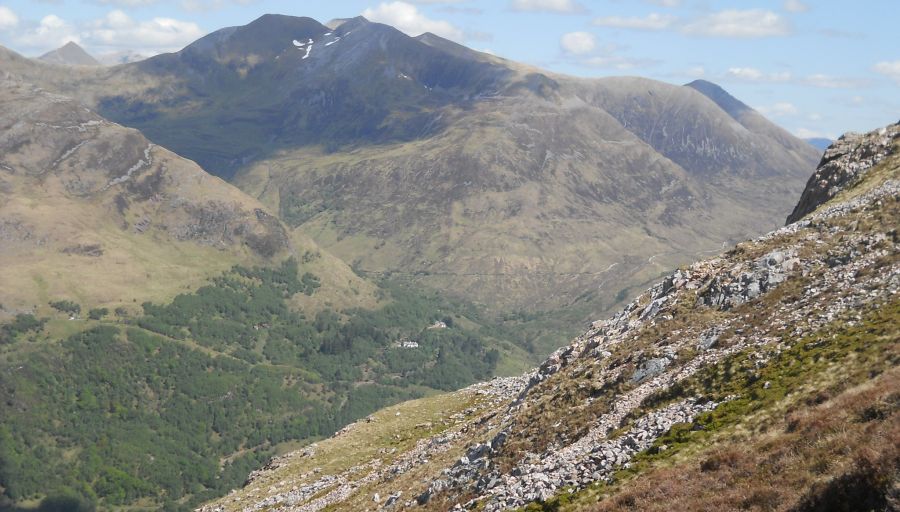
{"x": 375, "y": 144}
{"x": 288, "y": 225}
{"x": 71, "y": 54}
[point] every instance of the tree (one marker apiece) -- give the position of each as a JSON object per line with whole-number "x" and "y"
{"x": 66, "y": 501}
{"x": 97, "y": 313}
{"x": 66, "y": 306}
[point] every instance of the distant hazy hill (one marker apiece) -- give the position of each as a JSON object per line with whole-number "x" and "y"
{"x": 69, "y": 54}
{"x": 819, "y": 143}
{"x": 121, "y": 57}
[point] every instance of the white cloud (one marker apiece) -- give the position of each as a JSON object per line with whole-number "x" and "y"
{"x": 608, "y": 56}
{"x": 665, "y": 3}
{"x": 696, "y": 71}
{"x": 805, "y": 133}
{"x": 560, "y": 6}
{"x": 407, "y": 18}
{"x": 8, "y": 18}
{"x": 211, "y": 5}
{"x": 619, "y": 62}
{"x": 831, "y": 82}
{"x": 578, "y": 43}
{"x": 795, "y": 6}
{"x": 755, "y": 75}
{"x": 890, "y": 69}
{"x": 117, "y": 30}
{"x": 52, "y": 32}
{"x": 127, "y": 3}
{"x": 748, "y": 74}
{"x": 737, "y": 23}
{"x": 113, "y": 32}
{"x": 780, "y": 109}
{"x": 653, "y": 21}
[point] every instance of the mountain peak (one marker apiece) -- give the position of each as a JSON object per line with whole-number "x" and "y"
{"x": 720, "y": 97}
{"x": 337, "y": 22}
{"x": 70, "y": 54}
{"x": 265, "y": 36}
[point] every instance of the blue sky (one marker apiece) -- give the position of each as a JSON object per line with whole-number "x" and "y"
{"x": 818, "y": 68}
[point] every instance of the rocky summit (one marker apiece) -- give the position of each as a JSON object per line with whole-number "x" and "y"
{"x": 765, "y": 378}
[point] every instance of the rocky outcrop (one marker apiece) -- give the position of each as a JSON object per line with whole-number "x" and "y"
{"x": 844, "y": 163}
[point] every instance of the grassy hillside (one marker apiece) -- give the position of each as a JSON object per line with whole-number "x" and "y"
{"x": 94, "y": 212}
{"x": 176, "y": 405}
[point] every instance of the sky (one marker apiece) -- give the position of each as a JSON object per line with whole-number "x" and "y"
{"x": 818, "y": 68}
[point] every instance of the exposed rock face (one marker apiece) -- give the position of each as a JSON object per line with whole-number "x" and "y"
{"x": 733, "y": 290}
{"x": 845, "y": 162}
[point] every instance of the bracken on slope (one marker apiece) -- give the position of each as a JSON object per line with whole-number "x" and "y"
{"x": 763, "y": 379}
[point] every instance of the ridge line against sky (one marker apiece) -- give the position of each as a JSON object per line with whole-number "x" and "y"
{"x": 818, "y": 68}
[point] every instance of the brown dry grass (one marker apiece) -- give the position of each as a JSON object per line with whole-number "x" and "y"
{"x": 842, "y": 454}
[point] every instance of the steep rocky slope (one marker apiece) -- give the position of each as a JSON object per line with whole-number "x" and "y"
{"x": 493, "y": 180}
{"x": 94, "y": 212}
{"x": 786, "y": 344}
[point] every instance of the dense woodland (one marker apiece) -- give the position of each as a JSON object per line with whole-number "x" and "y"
{"x": 179, "y": 404}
